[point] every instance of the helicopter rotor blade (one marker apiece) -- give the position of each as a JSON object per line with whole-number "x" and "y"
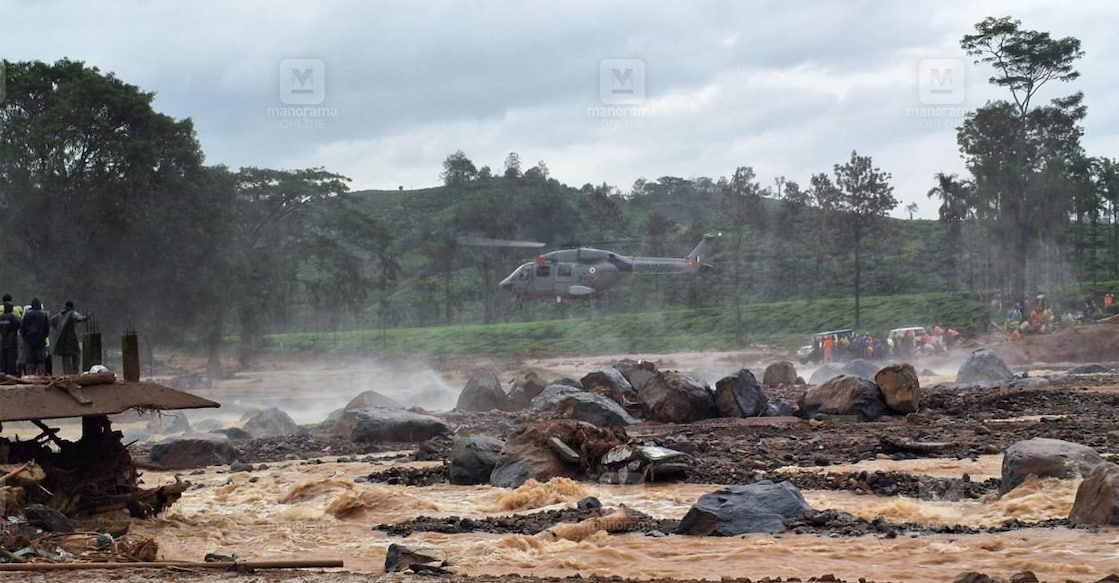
{"x": 487, "y": 242}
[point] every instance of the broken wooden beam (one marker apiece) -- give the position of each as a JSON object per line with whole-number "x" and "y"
{"x": 230, "y": 565}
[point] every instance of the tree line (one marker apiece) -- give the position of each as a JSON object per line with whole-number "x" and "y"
{"x": 106, "y": 201}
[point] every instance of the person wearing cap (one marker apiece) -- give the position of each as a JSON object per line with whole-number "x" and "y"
{"x": 16, "y": 309}
{"x": 66, "y": 344}
{"x": 34, "y": 330}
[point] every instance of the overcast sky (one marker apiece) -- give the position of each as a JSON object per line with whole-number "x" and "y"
{"x": 789, "y": 88}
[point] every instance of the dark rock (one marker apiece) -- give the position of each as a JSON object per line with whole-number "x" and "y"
{"x": 589, "y": 503}
{"x": 900, "y": 387}
{"x": 1029, "y": 383}
{"x": 47, "y": 518}
{"x": 972, "y": 577}
{"x": 983, "y": 366}
{"x": 844, "y": 395}
{"x": 270, "y": 422}
{"x": 240, "y": 466}
{"x": 594, "y": 409}
{"x": 193, "y": 451}
{"x": 1024, "y": 577}
{"x": 234, "y": 433}
{"x": 1046, "y": 458}
{"x": 740, "y": 395}
{"x": 525, "y": 388}
{"x": 675, "y": 398}
{"x": 611, "y": 383}
{"x": 781, "y": 408}
{"x": 366, "y": 399}
{"x": 780, "y": 373}
{"x": 1093, "y": 368}
{"x": 761, "y": 507}
{"x": 553, "y": 396}
{"x": 637, "y": 372}
{"x": 482, "y": 392}
{"x": 473, "y": 458}
{"x": 418, "y": 559}
{"x": 825, "y": 373}
{"x": 375, "y": 424}
{"x": 527, "y": 454}
{"x": 1097, "y": 498}
{"x": 860, "y": 368}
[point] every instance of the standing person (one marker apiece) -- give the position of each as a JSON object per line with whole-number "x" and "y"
{"x": 66, "y": 342}
{"x": 9, "y": 340}
{"x": 34, "y": 330}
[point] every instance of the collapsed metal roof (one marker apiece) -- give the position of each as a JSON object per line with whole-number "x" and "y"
{"x": 26, "y": 402}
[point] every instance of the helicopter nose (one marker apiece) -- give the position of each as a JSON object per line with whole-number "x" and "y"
{"x": 506, "y": 284}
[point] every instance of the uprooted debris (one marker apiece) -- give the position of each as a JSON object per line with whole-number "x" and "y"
{"x": 52, "y": 488}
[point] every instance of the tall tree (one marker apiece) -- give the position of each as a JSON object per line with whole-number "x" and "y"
{"x": 867, "y": 197}
{"x": 1011, "y": 145}
{"x": 740, "y": 204}
{"x": 458, "y": 170}
{"x": 512, "y": 165}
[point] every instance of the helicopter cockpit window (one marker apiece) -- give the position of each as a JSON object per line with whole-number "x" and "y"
{"x": 543, "y": 270}
{"x": 523, "y": 272}
{"x": 563, "y": 270}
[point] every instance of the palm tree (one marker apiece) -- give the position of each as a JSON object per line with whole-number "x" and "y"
{"x": 957, "y": 204}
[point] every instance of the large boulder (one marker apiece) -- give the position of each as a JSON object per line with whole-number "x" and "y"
{"x": 983, "y": 366}
{"x": 844, "y": 395}
{"x": 825, "y": 373}
{"x": 740, "y": 395}
{"x": 1091, "y": 368}
{"x": 860, "y": 368}
{"x": 1046, "y": 458}
{"x": 482, "y": 392}
{"x": 780, "y": 373}
{"x": 552, "y": 396}
{"x": 270, "y": 422}
{"x": 781, "y": 407}
{"x": 531, "y": 452}
{"x": 580, "y": 405}
{"x": 900, "y": 387}
{"x": 1097, "y": 498}
{"x": 761, "y": 507}
{"x": 637, "y": 372}
{"x": 525, "y": 388}
{"x": 473, "y": 458}
{"x": 610, "y": 382}
{"x": 193, "y": 451}
{"x": 367, "y": 399}
{"x": 376, "y": 424}
{"x": 675, "y": 398}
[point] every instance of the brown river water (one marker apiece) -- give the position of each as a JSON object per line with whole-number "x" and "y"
{"x": 296, "y": 510}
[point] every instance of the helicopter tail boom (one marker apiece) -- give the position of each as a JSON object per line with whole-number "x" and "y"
{"x": 693, "y": 263}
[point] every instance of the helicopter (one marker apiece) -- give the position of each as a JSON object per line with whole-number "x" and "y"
{"x": 586, "y": 272}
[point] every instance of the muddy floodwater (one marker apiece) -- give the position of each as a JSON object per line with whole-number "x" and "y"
{"x": 939, "y": 516}
{"x": 300, "y": 510}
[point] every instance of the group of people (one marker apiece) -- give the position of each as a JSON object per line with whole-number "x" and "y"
{"x": 25, "y": 338}
{"x": 905, "y": 343}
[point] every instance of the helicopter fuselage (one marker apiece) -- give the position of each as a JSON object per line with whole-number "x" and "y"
{"x": 585, "y": 272}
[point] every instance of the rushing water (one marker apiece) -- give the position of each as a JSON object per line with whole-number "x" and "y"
{"x": 296, "y": 510}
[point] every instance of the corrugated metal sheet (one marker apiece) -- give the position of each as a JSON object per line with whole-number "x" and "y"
{"x": 26, "y": 402}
